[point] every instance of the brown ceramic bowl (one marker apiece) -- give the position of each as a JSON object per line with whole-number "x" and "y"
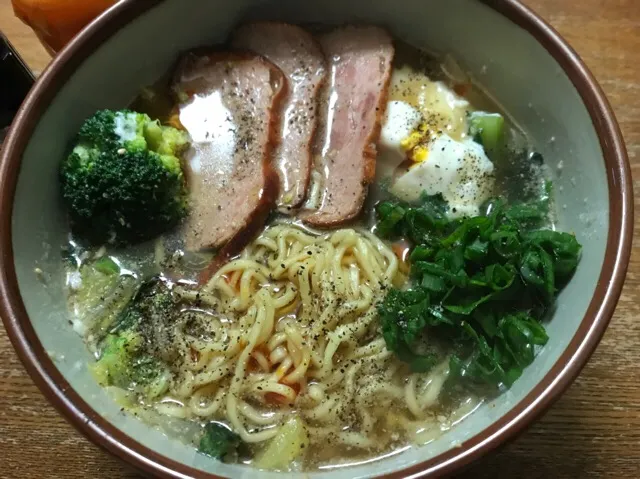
{"x": 515, "y": 55}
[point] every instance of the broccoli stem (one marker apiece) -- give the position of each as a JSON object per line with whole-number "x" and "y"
{"x": 488, "y": 128}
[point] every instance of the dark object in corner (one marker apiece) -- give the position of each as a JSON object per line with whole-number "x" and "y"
{"x": 15, "y": 82}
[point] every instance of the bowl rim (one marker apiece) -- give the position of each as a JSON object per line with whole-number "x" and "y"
{"x": 612, "y": 275}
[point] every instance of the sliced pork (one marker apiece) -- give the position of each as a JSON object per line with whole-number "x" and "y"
{"x": 229, "y": 103}
{"x": 300, "y": 58}
{"x": 359, "y": 61}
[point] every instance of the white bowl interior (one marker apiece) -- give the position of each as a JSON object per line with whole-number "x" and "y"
{"x": 508, "y": 61}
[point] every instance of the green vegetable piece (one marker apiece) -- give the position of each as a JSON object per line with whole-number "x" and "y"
{"x": 536, "y": 268}
{"x": 488, "y": 128}
{"x": 421, "y": 253}
{"x": 506, "y": 243}
{"x": 520, "y": 334}
{"x": 563, "y": 247}
{"x": 488, "y": 323}
{"x": 94, "y": 287}
{"x": 482, "y": 284}
{"x": 483, "y": 365}
{"x": 477, "y": 251}
{"x": 124, "y": 363}
{"x": 416, "y": 223}
{"x": 390, "y": 216}
{"x": 132, "y": 354}
{"x": 499, "y": 277}
{"x": 468, "y": 308}
{"x": 431, "y": 282}
{"x": 100, "y": 295}
{"x": 218, "y": 440}
{"x": 151, "y": 308}
{"x": 451, "y": 276}
{"x": 107, "y": 266}
{"x": 123, "y": 182}
{"x": 403, "y": 315}
{"x": 113, "y": 368}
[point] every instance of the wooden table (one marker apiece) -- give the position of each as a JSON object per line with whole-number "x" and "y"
{"x": 593, "y": 430}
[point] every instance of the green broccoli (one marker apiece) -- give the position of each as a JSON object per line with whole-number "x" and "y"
{"x": 486, "y": 129}
{"x": 124, "y": 363}
{"x": 151, "y": 308}
{"x": 133, "y": 355}
{"x": 114, "y": 367}
{"x": 218, "y": 440}
{"x": 123, "y": 182}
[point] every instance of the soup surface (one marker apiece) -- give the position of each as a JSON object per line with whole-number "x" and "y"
{"x": 310, "y": 248}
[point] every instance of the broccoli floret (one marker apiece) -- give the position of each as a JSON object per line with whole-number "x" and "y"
{"x": 114, "y": 367}
{"x": 123, "y": 181}
{"x": 151, "y": 307}
{"x": 124, "y": 363}
{"x": 134, "y": 354}
{"x": 218, "y": 440}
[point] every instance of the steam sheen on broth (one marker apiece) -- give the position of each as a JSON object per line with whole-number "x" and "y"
{"x": 280, "y": 340}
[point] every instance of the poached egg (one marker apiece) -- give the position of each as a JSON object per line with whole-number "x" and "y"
{"x": 400, "y": 120}
{"x": 459, "y": 170}
{"x": 425, "y": 126}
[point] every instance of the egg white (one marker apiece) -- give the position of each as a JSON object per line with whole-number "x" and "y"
{"x": 440, "y": 106}
{"x": 455, "y": 165}
{"x": 399, "y": 121}
{"x": 459, "y": 170}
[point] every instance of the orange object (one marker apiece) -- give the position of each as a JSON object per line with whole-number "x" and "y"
{"x": 401, "y": 249}
{"x": 55, "y": 22}
{"x": 275, "y": 398}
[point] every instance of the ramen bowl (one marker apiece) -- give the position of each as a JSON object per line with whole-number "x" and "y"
{"x": 517, "y": 58}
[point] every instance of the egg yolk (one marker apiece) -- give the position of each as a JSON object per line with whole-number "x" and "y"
{"x": 415, "y": 145}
